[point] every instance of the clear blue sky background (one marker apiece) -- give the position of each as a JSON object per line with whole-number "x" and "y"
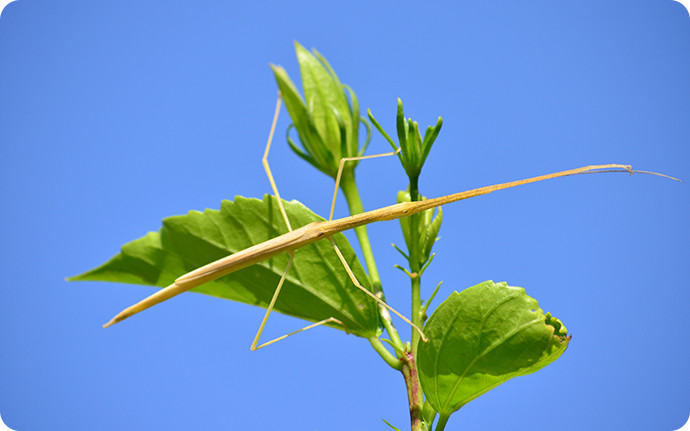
{"x": 114, "y": 115}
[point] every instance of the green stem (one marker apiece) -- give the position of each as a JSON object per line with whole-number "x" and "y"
{"x": 414, "y": 188}
{"x": 392, "y": 332}
{"x": 416, "y": 309}
{"x": 391, "y": 360}
{"x": 442, "y": 420}
{"x": 410, "y": 372}
{"x": 415, "y": 268}
{"x": 354, "y": 203}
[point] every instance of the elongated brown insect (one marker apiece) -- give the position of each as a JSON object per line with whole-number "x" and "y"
{"x": 302, "y": 236}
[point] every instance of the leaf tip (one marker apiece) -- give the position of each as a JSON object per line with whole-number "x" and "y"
{"x": 559, "y": 330}
{"x": 78, "y": 277}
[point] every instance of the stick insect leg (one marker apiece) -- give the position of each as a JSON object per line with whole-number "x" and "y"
{"x": 340, "y": 173}
{"x": 264, "y": 161}
{"x": 352, "y": 276}
{"x": 354, "y": 280}
{"x": 254, "y": 346}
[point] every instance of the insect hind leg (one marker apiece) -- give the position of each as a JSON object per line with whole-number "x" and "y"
{"x": 354, "y": 280}
{"x": 255, "y": 342}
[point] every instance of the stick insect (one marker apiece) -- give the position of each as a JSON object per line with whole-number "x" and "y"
{"x": 324, "y": 230}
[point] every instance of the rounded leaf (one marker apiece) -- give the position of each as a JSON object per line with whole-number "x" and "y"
{"x": 482, "y": 337}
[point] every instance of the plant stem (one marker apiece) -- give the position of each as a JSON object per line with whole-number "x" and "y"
{"x": 413, "y": 250}
{"x": 391, "y": 360}
{"x": 442, "y": 421}
{"x": 392, "y": 332}
{"x": 410, "y": 372}
{"x": 354, "y": 203}
{"x": 414, "y": 391}
{"x": 416, "y": 308}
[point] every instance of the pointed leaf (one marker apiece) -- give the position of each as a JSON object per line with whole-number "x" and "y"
{"x": 401, "y": 126}
{"x": 307, "y": 157}
{"x": 430, "y": 235}
{"x": 415, "y": 145}
{"x": 293, "y": 101}
{"x": 323, "y": 94}
{"x": 482, "y": 337}
{"x": 429, "y": 138}
{"x": 294, "y": 105}
{"x": 367, "y": 140}
{"x": 427, "y": 225}
{"x": 383, "y": 132}
{"x": 317, "y": 286}
{"x": 388, "y": 423}
{"x": 353, "y": 139}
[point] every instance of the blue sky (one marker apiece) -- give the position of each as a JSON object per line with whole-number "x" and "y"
{"x": 114, "y": 115}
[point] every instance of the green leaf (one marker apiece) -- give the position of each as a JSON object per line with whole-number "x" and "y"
{"x": 415, "y": 149}
{"x": 388, "y": 423}
{"x": 327, "y": 121}
{"x": 427, "y": 226}
{"x": 350, "y": 106}
{"x": 308, "y": 135}
{"x": 480, "y": 338}
{"x": 317, "y": 286}
{"x": 383, "y": 132}
{"x": 428, "y": 413}
{"x": 325, "y": 99}
{"x": 431, "y": 229}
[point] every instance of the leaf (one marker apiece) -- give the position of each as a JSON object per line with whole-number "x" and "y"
{"x": 482, "y": 337}
{"x": 327, "y": 122}
{"x": 308, "y": 135}
{"x": 325, "y": 98}
{"x": 317, "y": 286}
{"x": 431, "y": 232}
{"x": 428, "y": 226}
{"x": 388, "y": 423}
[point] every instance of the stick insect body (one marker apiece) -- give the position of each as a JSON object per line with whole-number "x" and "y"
{"x": 315, "y": 231}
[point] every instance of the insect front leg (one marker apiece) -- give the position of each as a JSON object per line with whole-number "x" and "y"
{"x": 267, "y": 168}
{"x": 352, "y": 276}
{"x": 341, "y": 166}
